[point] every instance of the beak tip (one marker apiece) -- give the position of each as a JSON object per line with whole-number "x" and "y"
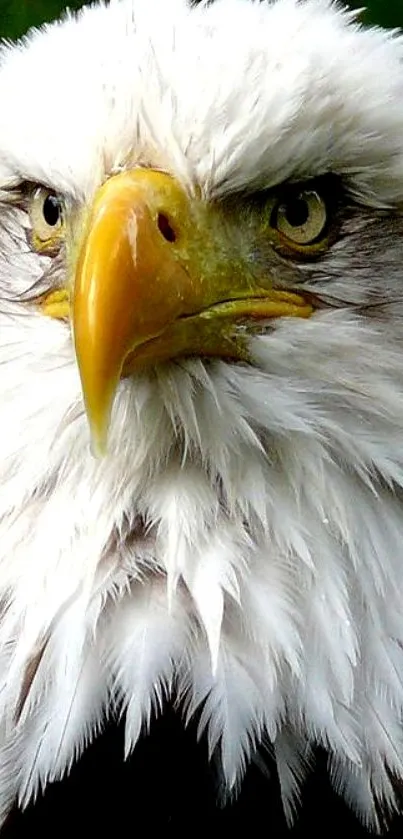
{"x": 98, "y": 437}
{"x": 98, "y": 403}
{"x": 99, "y": 448}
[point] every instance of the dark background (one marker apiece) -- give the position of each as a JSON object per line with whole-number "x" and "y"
{"x": 166, "y": 786}
{"x": 16, "y": 16}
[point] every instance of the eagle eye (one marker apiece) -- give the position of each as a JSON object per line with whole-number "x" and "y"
{"x": 301, "y": 217}
{"x": 52, "y": 210}
{"x": 46, "y": 213}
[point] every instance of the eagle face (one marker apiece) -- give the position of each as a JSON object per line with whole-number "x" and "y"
{"x": 201, "y": 388}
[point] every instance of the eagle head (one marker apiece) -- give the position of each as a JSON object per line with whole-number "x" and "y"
{"x": 201, "y": 389}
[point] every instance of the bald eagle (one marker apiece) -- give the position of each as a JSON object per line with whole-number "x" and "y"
{"x": 201, "y": 390}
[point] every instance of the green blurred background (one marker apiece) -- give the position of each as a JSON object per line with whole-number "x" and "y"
{"x": 16, "y": 16}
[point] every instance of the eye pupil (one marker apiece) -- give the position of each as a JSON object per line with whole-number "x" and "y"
{"x": 296, "y": 212}
{"x": 51, "y": 210}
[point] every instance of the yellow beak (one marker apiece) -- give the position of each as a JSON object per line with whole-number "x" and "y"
{"x": 154, "y": 280}
{"x": 128, "y": 285}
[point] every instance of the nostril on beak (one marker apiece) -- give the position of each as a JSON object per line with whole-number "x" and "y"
{"x": 165, "y": 228}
